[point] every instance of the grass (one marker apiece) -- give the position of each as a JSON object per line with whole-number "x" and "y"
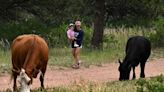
{"x": 153, "y": 84}
{"x": 114, "y": 45}
{"x": 5, "y": 61}
{"x": 63, "y": 57}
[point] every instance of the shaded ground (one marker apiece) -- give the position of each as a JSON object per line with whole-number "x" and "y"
{"x": 67, "y": 76}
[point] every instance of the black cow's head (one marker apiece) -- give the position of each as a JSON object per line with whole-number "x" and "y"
{"x": 124, "y": 71}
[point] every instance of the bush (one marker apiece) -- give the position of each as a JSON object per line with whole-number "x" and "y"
{"x": 157, "y": 38}
{"x": 9, "y": 31}
{"x": 58, "y": 37}
{"x": 153, "y": 85}
{"x": 55, "y": 36}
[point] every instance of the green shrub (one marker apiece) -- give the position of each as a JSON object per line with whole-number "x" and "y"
{"x": 58, "y": 37}
{"x": 55, "y": 36}
{"x": 9, "y": 31}
{"x": 157, "y": 38}
{"x": 87, "y": 35}
{"x": 154, "y": 85}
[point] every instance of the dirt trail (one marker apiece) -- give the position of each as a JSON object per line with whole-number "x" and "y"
{"x": 107, "y": 72}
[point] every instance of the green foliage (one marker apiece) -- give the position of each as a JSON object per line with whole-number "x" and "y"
{"x": 50, "y": 12}
{"x": 87, "y": 86}
{"x": 154, "y": 85}
{"x": 55, "y": 12}
{"x": 131, "y": 13}
{"x": 56, "y": 89}
{"x": 11, "y": 30}
{"x": 62, "y": 57}
{"x": 116, "y": 38}
{"x": 87, "y": 35}
{"x": 5, "y": 62}
{"x": 58, "y": 37}
{"x": 114, "y": 46}
{"x": 157, "y": 37}
{"x": 49, "y": 17}
{"x": 55, "y": 36}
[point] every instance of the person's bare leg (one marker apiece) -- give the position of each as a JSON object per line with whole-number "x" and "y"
{"x": 75, "y": 58}
{"x": 77, "y": 55}
{"x": 73, "y": 54}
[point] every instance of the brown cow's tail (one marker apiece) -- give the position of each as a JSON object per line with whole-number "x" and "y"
{"x": 29, "y": 52}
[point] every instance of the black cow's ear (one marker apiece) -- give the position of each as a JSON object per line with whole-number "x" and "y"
{"x": 129, "y": 67}
{"x": 119, "y": 61}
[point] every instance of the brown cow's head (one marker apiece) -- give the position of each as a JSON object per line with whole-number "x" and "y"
{"x": 24, "y": 81}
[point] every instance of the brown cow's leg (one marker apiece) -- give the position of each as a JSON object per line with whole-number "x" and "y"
{"x": 43, "y": 70}
{"x": 15, "y": 83}
{"x": 42, "y": 81}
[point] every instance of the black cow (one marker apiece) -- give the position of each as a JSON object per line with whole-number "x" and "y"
{"x": 138, "y": 50}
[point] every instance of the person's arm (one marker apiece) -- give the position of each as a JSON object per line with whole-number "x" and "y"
{"x": 80, "y": 38}
{"x": 68, "y": 36}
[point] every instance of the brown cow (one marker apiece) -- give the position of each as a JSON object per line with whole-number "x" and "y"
{"x": 29, "y": 56}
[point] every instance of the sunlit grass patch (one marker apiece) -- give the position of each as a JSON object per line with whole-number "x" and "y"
{"x": 60, "y": 57}
{"x": 63, "y": 56}
{"x": 86, "y": 86}
{"x": 5, "y": 61}
{"x": 157, "y": 53}
{"x": 154, "y": 84}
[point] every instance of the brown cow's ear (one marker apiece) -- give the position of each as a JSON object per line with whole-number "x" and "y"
{"x": 22, "y": 72}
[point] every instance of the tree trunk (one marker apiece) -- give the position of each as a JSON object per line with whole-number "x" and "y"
{"x": 97, "y": 38}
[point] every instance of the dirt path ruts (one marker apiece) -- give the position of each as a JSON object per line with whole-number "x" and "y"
{"x": 107, "y": 72}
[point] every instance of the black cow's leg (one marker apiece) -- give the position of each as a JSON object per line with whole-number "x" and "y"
{"x": 142, "y": 65}
{"x": 134, "y": 74}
